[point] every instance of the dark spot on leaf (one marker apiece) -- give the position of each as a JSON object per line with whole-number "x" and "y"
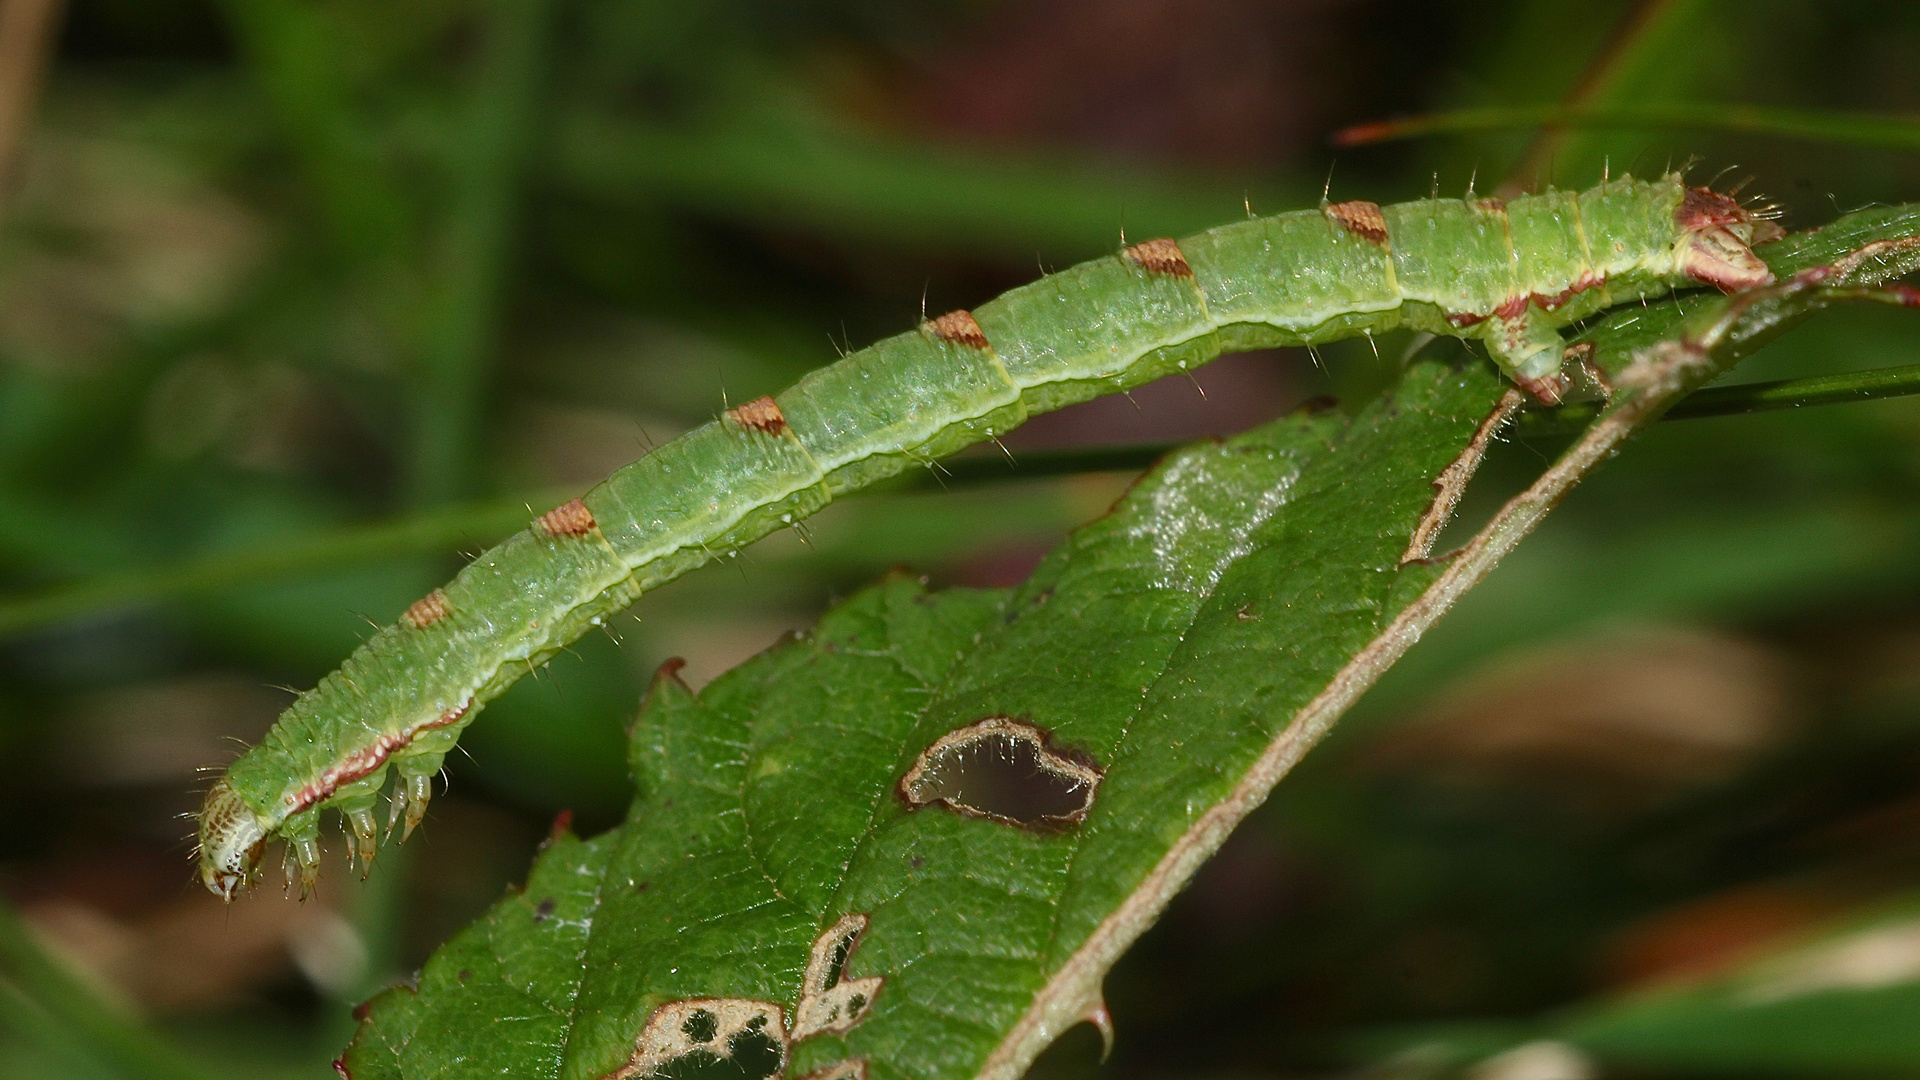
{"x": 916, "y": 862}
{"x": 837, "y": 965}
{"x": 643, "y": 886}
{"x": 857, "y": 1002}
{"x": 701, "y": 1026}
{"x": 753, "y": 1056}
{"x": 544, "y": 910}
{"x": 361, "y": 1010}
{"x": 1004, "y": 770}
{"x": 465, "y": 975}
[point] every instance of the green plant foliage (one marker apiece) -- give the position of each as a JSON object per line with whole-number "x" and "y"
{"x": 1188, "y": 648}
{"x": 1170, "y": 642}
{"x": 305, "y": 302}
{"x": 1829, "y": 1003}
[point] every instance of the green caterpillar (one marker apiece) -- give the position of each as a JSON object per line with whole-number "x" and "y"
{"x": 1510, "y": 274}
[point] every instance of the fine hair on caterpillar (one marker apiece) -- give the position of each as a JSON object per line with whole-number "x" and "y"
{"x": 1511, "y": 274}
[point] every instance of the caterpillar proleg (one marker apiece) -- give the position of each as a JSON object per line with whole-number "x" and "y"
{"x": 1511, "y": 274}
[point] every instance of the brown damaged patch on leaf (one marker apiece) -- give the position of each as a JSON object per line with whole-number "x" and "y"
{"x": 850, "y": 1069}
{"x": 760, "y": 414}
{"x": 427, "y": 610}
{"x": 831, "y": 1003}
{"x": 570, "y": 518}
{"x": 1004, "y": 770}
{"x": 1361, "y": 218}
{"x": 708, "y": 1031}
{"x": 958, "y": 328}
{"x": 1160, "y": 257}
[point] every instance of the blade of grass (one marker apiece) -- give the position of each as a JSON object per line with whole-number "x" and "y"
{"x": 769, "y": 166}
{"x": 443, "y": 530}
{"x": 462, "y": 324}
{"x": 421, "y": 533}
{"x": 1887, "y": 131}
{"x": 1648, "y": 30}
{"x": 297, "y": 56}
{"x": 47, "y": 987}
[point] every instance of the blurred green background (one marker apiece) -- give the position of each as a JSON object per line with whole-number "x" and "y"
{"x": 302, "y": 299}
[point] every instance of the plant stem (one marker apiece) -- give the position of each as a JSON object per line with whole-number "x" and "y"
{"x": 1749, "y": 398}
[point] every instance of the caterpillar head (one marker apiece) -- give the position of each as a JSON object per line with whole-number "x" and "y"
{"x": 1716, "y": 238}
{"x": 232, "y": 837}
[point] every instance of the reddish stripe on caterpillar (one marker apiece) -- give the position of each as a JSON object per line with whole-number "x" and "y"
{"x": 364, "y": 762}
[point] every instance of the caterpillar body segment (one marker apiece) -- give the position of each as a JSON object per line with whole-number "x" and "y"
{"x": 1511, "y": 274}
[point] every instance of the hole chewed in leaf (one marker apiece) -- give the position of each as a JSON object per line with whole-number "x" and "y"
{"x": 709, "y": 1039}
{"x": 1005, "y": 770}
{"x": 831, "y": 1003}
